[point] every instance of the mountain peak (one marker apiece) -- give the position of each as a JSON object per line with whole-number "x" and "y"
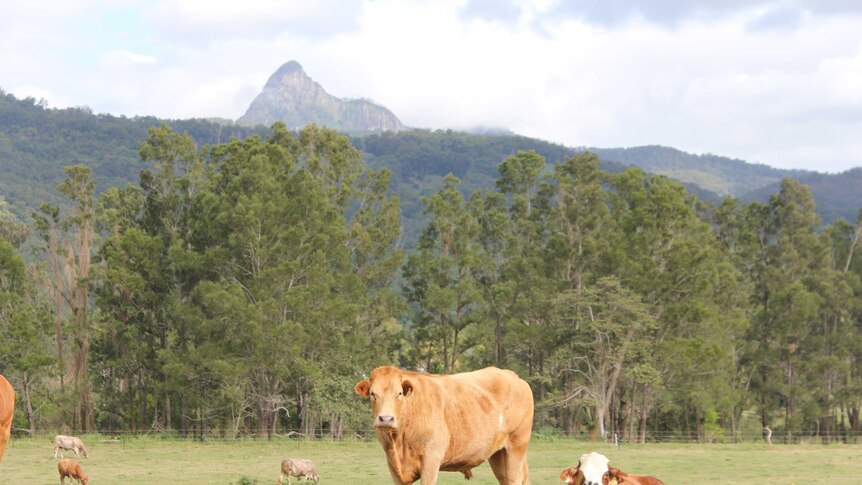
{"x": 291, "y": 96}
{"x": 290, "y": 69}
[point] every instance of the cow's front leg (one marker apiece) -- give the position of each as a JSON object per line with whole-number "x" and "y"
{"x": 430, "y": 470}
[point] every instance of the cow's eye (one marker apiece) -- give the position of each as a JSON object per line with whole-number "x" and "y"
{"x": 399, "y": 393}
{"x": 373, "y": 396}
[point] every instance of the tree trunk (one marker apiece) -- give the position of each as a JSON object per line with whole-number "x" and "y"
{"x": 631, "y": 418}
{"x": 28, "y": 404}
{"x": 642, "y": 424}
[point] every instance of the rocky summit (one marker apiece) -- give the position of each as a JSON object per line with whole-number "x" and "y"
{"x": 293, "y": 97}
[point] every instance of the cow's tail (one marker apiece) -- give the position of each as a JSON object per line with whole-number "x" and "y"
{"x": 526, "y": 473}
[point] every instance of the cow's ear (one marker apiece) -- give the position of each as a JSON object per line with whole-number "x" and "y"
{"x": 615, "y": 475}
{"x": 568, "y": 472}
{"x": 362, "y": 388}
{"x": 406, "y": 387}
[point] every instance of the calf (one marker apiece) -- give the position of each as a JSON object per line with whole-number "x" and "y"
{"x": 70, "y": 443}
{"x": 73, "y": 470}
{"x": 298, "y": 468}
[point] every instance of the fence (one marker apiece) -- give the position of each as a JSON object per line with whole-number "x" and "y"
{"x": 544, "y": 434}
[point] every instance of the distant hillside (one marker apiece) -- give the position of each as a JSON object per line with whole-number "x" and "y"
{"x": 419, "y": 159}
{"x": 37, "y": 142}
{"x": 293, "y": 97}
{"x": 836, "y": 195}
{"x": 724, "y": 176}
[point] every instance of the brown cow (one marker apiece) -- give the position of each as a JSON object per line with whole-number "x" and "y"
{"x": 428, "y": 423}
{"x": 72, "y": 469}
{"x": 298, "y": 468}
{"x": 7, "y": 407}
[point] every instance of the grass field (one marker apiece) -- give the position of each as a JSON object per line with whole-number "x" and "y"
{"x": 151, "y": 461}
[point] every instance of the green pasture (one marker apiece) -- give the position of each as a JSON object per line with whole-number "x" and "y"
{"x": 145, "y": 461}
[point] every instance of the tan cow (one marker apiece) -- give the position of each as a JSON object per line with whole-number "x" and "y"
{"x": 292, "y": 467}
{"x": 73, "y": 470}
{"x": 70, "y": 443}
{"x": 7, "y": 408}
{"x": 430, "y": 423}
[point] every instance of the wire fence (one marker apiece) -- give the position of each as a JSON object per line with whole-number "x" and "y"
{"x": 368, "y": 435}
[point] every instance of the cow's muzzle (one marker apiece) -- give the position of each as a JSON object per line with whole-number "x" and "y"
{"x": 383, "y": 421}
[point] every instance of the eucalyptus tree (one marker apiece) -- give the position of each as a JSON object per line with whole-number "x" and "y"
{"x": 441, "y": 281}
{"x": 292, "y": 228}
{"x": 68, "y": 244}
{"x": 25, "y": 355}
{"x": 662, "y": 249}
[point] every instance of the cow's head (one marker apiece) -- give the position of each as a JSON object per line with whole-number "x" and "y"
{"x": 572, "y": 475}
{"x": 387, "y": 388}
{"x": 594, "y": 466}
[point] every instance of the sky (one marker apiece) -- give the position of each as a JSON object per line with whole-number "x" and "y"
{"x": 777, "y": 82}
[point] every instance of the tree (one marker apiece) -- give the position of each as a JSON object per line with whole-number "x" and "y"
{"x": 23, "y": 330}
{"x": 68, "y": 247}
{"x": 441, "y": 281}
{"x": 606, "y": 320}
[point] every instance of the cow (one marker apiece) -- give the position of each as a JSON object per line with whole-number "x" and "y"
{"x": 298, "y": 468}
{"x": 429, "y": 423}
{"x": 73, "y": 470}
{"x": 70, "y": 443}
{"x": 594, "y": 469}
{"x": 7, "y": 408}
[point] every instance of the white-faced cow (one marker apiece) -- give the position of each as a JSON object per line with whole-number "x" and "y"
{"x": 429, "y": 423}
{"x": 594, "y": 469}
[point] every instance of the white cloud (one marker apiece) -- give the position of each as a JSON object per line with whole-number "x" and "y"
{"x": 769, "y": 82}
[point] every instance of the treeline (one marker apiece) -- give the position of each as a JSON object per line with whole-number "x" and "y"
{"x": 244, "y": 287}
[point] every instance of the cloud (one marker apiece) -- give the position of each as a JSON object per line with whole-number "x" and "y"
{"x": 777, "y": 82}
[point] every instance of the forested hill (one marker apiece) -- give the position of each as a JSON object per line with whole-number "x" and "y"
{"x": 36, "y": 142}
{"x": 836, "y": 195}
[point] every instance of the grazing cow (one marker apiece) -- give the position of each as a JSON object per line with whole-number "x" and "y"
{"x": 73, "y": 470}
{"x": 430, "y": 423}
{"x": 70, "y": 443}
{"x": 593, "y": 469}
{"x": 7, "y": 407}
{"x": 298, "y": 468}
